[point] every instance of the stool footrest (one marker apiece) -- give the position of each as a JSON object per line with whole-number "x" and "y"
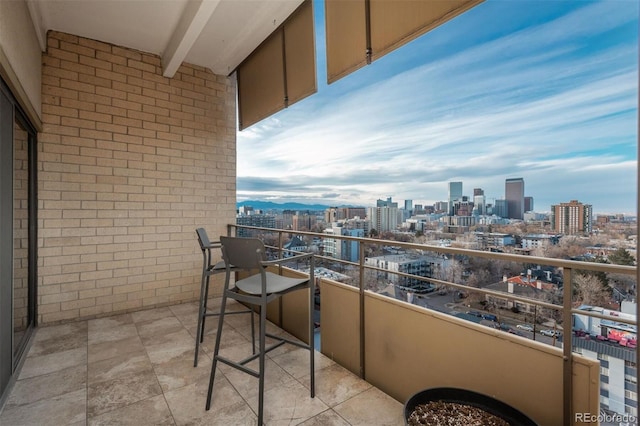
{"x": 285, "y": 340}
{"x": 215, "y": 314}
{"x": 239, "y": 366}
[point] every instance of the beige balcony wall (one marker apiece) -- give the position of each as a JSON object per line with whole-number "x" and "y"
{"x": 408, "y": 348}
{"x": 340, "y": 324}
{"x": 129, "y": 163}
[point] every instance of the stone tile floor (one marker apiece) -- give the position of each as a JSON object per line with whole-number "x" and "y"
{"x": 137, "y": 369}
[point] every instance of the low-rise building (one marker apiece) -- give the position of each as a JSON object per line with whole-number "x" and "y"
{"x": 523, "y": 286}
{"x": 494, "y": 239}
{"x": 414, "y": 264}
{"x": 340, "y": 248}
{"x": 613, "y": 344}
{"x": 533, "y": 241}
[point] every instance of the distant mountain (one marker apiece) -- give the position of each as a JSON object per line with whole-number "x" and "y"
{"x": 267, "y": 205}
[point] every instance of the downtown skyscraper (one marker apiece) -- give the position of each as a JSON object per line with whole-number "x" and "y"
{"x": 514, "y": 194}
{"x": 455, "y": 194}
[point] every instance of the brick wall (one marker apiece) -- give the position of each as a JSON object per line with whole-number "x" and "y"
{"x": 129, "y": 164}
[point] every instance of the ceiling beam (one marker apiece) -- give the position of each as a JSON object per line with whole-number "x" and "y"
{"x": 38, "y": 24}
{"x": 195, "y": 16}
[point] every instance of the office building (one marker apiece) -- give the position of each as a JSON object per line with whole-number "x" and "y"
{"x": 455, "y": 193}
{"x": 528, "y": 204}
{"x": 501, "y": 208}
{"x": 479, "y": 202}
{"x": 386, "y": 203}
{"x": 441, "y": 207}
{"x": 514, "y": 194}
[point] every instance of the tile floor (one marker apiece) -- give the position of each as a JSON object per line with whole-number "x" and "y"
{"x": 137, "y": 369}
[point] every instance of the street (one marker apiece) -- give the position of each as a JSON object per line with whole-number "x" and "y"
{"x": 448, "y": 305}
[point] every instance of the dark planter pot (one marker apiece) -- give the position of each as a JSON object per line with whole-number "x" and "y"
{"x": 466, "y": 397}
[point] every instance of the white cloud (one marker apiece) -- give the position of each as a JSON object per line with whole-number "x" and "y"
{"x": 548, "y": 100}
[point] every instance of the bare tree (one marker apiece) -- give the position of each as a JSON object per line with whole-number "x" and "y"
{"x": 451, "y": 271}
{"x": 590, "y": 291}
{"x": 479, "y": 278}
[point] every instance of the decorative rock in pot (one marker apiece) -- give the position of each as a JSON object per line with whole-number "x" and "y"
{"x": 452, "y": 406}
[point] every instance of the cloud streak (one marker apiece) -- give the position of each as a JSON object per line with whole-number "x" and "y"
{"x": 553, "y": 102}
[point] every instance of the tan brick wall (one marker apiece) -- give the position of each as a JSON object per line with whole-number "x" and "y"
{"x": 129, "y": 164}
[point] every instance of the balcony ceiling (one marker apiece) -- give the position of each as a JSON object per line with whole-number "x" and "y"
{"x": 216, "y": 34}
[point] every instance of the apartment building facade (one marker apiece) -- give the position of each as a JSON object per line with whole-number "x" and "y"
{"x": 573, "y": 217}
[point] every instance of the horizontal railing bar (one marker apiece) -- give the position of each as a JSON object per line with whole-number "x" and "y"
{"x": 561, "y": 263}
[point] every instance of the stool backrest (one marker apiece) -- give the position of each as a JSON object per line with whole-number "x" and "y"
{"x": 243, "y": 253}
{"x": 203, "y": 239}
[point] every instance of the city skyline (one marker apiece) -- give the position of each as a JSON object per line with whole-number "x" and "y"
{"x": 547, "y": 93}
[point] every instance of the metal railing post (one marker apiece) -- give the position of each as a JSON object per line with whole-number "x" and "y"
{"x": 567, "y": 350}
{"x": 361, "y": 297}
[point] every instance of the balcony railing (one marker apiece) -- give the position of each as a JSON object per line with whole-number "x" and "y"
{"x": 402, "y": 348}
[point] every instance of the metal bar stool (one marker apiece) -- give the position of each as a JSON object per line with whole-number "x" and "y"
{"x": 248, "y": 254}
{"x": 208, "y": 269}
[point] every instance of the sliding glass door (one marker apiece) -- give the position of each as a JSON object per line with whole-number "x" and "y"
{"x": 17, "y": 235}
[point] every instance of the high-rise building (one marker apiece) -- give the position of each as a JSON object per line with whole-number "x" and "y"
{"x": 479, "y": 202}
{"x": 387, "y": 203}
{"x": 334, "y": 214}
{"x": 285, "y": 219}
{"x": 383, "y": 218}
{"x": 528, "y": 204}
{"x": 353, "y": 212}
{"x": 514, "y": 194}
{"x": 259, "y": 220}
{"x": 501, "y": 208}
{"x": 455, "y": 193}
{"x": 331, "y": 215}
{"x": 572, "y": 218}
{"x": 303, "y": 222}
{"x": 407, "y": 211}
{"x": 441, "y": 206}
{"x": 462, "y": 208}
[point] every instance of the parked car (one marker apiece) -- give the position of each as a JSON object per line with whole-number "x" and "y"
{"x": 525, "y": 327}
{"x": 489, "y": 317}
{"x": 475, "y": 313}
{"x": 550, "y": 333}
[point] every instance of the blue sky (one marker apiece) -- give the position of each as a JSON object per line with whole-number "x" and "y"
{"x": 546, "y": 90}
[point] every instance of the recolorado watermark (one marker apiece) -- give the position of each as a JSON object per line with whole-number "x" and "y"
{"x": 602, "y": 417}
